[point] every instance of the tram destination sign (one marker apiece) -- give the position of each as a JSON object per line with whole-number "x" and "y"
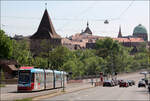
{"x": 24, "y": 72}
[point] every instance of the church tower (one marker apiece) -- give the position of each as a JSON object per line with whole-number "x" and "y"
{"x": 46, "y": 37}
{"x": 120, "y": 34}
{"x": 46, "y": 29}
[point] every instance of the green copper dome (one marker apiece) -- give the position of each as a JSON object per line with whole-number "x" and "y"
{"x": 140, "y": 29}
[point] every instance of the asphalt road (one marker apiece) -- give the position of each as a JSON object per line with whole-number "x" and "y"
{"x": 109, "y": 93}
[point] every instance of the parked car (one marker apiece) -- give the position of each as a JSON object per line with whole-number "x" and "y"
{"x": 145, "y": 80}
{"x": 119, "y": 81}
{"x": 124, "y": 84}
{"x": 130, "y": 83}
{"x": 133, "y": 82}
{"x": 148, "y": 87}
{"x": 141, "y": 84}
{"x": 115, "y": 82}
{"x": 108, "y": 83}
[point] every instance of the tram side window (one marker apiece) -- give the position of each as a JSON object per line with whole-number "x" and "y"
{"x": 51, "y": 77}
{"x": 58, "y": 77}
{"x": 48, "y": 78}
{"x": 37, "y": 78}
{"x": 42, "y": 77}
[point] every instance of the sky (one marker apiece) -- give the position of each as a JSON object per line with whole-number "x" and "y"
{"x": 70, "y": 17}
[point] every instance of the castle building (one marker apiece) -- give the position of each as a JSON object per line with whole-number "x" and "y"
{"x": 138, "y": 32}
{"x": 139, "y": 36}
{"x": 46, "y": 37}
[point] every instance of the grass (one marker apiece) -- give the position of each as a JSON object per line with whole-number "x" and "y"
{"x": 2, "y": 85}
{"x": 26, "y": 99}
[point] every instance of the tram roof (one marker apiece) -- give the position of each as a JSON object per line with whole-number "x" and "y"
{"x": 32, "y": 69}
{"x": 41, "y": 70}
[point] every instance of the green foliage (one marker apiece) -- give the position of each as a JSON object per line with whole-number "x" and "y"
{"x": 108, "y": 57}
{"x": 39, "y": 62}
{"x": 106, "y": 47}
{"x": 21, "y": 52}
{"x": 58, "y": 57}
{"x": 93, "y": 65}
{"x": 142, "y": 59}
{"x": 5, "y": 46}
{"x": 78, "y": 69}
{"x": 2, "y": 78}
{"x": 112, "y": 52}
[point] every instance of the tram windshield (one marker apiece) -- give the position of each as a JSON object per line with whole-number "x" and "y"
{"x": 24, "y": 76}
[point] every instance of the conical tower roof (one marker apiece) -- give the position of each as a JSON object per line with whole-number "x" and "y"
{"x": 120, "y": 34}
{"x": 46, "y": 29}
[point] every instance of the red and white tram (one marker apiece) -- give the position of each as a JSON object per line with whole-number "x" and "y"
{"x": 33, "y": 79}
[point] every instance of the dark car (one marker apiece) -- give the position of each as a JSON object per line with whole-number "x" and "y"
{"x": 119, "y": 81}
{"x": 130, "y": 83}
{"x": 124, "y": 84}
{"x": 108, "y": 83}
{"x": 145, "y": 80}
{"x": 141, "y": 84}
{"x": 148, "y": 87}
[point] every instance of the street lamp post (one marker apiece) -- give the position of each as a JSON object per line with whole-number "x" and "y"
{"x": 63, "y": 82}
{"x": 149, "y": 63}
{"x": 112, "y": 65}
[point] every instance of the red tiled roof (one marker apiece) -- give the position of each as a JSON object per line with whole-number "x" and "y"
{"x": 129, "y": 39}
{"x": 79, "y": 39}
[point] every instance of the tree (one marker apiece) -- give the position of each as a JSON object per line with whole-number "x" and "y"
{"x": 5, "y": 46}
{"x": 78, "y": 70}
{"x": 58, "y": 57}
{"x": 110, "y": 51}
{"x": 21, "y": 52}
{"x": 141, "y": 59}
{"x": 39, "y": 62}
{"x": 107, "y": 47}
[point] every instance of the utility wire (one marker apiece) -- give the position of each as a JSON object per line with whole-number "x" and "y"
{"x": 75, "y": 18}
{"x": 81, "y": 13}
{"x": 121, "y": 14}
{"x": 125, "y": 10}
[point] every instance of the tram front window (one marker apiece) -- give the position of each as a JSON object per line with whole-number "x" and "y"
{"x": 24, "y": 77}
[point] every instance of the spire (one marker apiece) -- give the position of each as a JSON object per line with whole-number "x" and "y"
{"x": 87, "y": 24}
{"x": 46, "y": 28}
{"x": 45, "y": 5}
{"x": 120, "y": 34}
